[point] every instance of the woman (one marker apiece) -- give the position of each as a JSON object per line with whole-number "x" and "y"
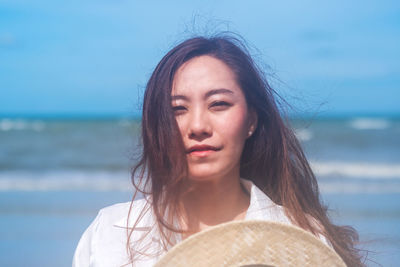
{"x": 215, "y": 149}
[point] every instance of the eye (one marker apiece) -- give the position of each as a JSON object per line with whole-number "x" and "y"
{"x": 179, "y": 109}
{"x": 220, "y": 105}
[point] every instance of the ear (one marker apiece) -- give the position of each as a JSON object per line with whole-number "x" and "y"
{"x": 253, "y": 120}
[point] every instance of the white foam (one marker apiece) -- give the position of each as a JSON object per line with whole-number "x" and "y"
{"x": 369, "y": 124}
{"x": 363, "y": 178}
{"x": 303, "y": 134}
{"x": 65, "y": 181}
{"x": 361, "y": 170}
{"x": 356, "y": 188}
{"x": 18, "y": 124}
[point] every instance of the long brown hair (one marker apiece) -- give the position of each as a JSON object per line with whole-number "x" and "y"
{"x": 272, "y": 157}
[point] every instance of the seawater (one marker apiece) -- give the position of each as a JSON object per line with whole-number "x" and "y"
{"x": 56, "y": 173}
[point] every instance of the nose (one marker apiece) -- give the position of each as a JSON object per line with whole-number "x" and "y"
{"x": 199, "y": 126}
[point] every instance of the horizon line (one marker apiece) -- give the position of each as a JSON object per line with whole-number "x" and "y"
{"x": 111, "y": 116}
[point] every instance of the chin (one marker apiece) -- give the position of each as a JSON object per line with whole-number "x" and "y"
{"x": 205, "y": 175}
{"x": 202, "y": 176}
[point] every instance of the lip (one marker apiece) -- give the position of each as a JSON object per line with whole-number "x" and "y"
{"x": 202, "y": 150}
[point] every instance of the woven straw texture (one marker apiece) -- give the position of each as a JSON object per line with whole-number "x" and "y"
{"x": 251, "y": 243}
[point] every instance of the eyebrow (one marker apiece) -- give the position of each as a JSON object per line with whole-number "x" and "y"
{"x": 218, "y": 91}
{"x": 207, "y": 95}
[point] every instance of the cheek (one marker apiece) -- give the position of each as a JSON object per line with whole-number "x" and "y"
{"x": 235, "y": 127}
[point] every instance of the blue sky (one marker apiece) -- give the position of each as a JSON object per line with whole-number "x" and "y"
{"x": 94, "y": 57}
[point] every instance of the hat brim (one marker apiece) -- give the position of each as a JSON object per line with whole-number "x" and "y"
{"x": 251, "y": 243}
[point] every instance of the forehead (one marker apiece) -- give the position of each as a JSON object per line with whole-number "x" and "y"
{"x": 204, "y": 73}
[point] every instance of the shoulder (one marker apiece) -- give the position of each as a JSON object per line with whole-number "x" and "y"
{"x": 105, "y": 239}
{"x": 114, "y": 212}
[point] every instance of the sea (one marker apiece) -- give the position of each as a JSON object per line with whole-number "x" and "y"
{"x": 56, "y": 173}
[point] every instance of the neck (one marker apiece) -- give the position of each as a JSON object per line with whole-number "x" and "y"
{"x": 209, "y": 203}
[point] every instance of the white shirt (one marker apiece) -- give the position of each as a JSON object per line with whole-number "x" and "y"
{"x": 103, "y": 244}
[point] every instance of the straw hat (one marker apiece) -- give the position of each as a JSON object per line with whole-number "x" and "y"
{"x": 251, "y": 243}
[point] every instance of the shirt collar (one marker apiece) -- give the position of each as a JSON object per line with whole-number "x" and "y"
{"x": 260, "y": 203}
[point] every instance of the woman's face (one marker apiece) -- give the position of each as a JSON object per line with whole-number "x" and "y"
{"x": 213, "y": 117}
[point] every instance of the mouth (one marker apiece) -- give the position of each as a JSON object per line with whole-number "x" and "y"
{"x": 202, "y": 150}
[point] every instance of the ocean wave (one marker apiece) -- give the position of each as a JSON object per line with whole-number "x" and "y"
{"x": 361, "y": 170}
{"x": 19, "y": 124}
{"x": 334, "y": 177}
{"x": 65, "y": 181}
{"x": 357, "y": 188}
{"x": 304, "y": 134}
{"x": 369, "y": 124}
